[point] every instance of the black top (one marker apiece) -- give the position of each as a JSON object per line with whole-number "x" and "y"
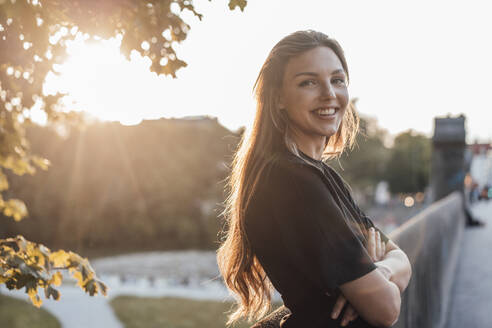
{"x": 309, "y": 235}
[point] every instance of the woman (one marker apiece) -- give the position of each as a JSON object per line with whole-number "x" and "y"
{"x": 292, "y": 222}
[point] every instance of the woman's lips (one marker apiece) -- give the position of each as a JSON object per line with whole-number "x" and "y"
{"x": 326, "y": 112}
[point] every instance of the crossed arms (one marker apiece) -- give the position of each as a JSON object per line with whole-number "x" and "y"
{"x": 376, "y": 296}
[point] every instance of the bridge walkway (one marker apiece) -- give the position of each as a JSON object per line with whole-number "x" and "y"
{"x": 471, "y": 301}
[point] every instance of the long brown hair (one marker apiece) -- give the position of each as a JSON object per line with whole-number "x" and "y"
{"x": 242, "y": 272}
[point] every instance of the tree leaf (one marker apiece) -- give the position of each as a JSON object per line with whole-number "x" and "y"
{"x": 56, "y": 279}
{"x": 237, "y": 3}
{"x": 59, "y": 258}
{"x": 4, "y": 184}
{"x": 33, "y": 295}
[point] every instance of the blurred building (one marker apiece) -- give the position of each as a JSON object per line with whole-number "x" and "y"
{"x": 448, "y": 156}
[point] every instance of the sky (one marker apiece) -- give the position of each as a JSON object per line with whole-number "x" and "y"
{"x": 409, "y": 62}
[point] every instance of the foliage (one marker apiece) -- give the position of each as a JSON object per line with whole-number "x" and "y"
{"x": 15, "y": 313}
{"x": 29, "y": 265}
{"x": 33, "y": 39}
{"x": 364, "y": 165}
{"x": 405, "y": 165}
{"x": 409, "y": 165}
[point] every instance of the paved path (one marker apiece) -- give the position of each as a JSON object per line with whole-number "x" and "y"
{"x": 472, "y": 292}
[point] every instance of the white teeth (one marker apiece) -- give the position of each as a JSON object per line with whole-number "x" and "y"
{"x": 326, "y": 111}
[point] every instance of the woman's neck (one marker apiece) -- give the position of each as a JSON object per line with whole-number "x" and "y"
{"x": 312, "y": 146}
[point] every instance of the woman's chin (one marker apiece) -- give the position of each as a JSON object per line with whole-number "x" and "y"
{"x": 330, "y": 131}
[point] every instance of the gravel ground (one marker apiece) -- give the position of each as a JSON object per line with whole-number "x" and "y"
{"x": 472, "y": 302}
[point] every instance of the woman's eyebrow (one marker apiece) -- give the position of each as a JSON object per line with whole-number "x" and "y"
{"x": 338, "y": 71}
{"x": 306, "y": 73}
{"x": 316, "y": 74}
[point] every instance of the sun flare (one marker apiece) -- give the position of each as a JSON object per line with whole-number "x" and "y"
{"x": 101, "y": 81}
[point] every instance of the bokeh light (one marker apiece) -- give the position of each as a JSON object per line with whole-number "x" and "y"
{"x": 409, "y": 201}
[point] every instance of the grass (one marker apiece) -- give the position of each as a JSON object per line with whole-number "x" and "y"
{"x": 167, "y": 312}
{"x": 15, "y": 313}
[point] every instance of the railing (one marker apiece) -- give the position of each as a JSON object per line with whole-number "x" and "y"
{"x": 432, "y": 242}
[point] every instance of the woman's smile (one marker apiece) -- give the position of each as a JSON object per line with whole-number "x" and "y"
{"x": 326, "y": 112}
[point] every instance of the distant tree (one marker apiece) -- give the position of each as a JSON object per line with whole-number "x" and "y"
{"x": 155, "y": 185}
{"x": 409, "y": 164}
{"x": 33, "y": 38}
{"x": 364, "y": 165}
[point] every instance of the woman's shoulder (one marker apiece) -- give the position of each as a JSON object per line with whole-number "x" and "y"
{"x": 286, "y": 174}
{"x": 288, "y": 161}
{"x": 286, "y": 164}
{"x": 337, "y": 177}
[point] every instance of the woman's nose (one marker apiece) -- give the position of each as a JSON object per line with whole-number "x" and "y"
{"x": 328, "y": 91}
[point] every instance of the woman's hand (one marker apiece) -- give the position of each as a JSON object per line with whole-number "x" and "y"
{"x": 375, "y": 246}
{"x": 377, "y": 250}
{"x": 349, "y": 315}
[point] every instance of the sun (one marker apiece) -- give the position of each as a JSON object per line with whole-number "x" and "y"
{"x": 100, "y": 80}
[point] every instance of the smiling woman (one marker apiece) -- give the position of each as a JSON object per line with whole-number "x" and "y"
{"x": 293, "y": 223}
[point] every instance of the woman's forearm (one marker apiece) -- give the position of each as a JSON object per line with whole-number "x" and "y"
{"x": 396, "y": 261}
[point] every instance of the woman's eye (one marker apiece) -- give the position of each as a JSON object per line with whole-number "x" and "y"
{"x": 338, "y": 81}
{"x": 307, "y": 83}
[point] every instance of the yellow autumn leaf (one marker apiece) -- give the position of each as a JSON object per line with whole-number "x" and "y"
{"x": 17, "y": 217}
{"x": 40, "y": 257}
{"x": 32, "y": 292}
{"x": 59, "y": 258}
{"x": 7, "y": 211}
{"x": 4, "y": 184}
{"x": 15, "y": 208}
{"x": 7, "y": 249}
{"x": 35, "y": 254}
{"x": 56, "y": 279}
{"x": 80, "y": 280}
{"x": 33, "y": 295}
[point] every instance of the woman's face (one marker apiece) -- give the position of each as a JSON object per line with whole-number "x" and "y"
{"x": 314, "y": 94}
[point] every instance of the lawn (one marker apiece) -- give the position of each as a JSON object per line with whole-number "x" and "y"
{"x": 136, "y": 312}
{"x": 15, "y": 313}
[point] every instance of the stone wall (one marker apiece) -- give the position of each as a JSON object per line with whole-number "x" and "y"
{"x": 432, "y": 242}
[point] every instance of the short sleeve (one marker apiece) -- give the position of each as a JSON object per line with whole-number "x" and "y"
{"x": 318, "y": 238}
